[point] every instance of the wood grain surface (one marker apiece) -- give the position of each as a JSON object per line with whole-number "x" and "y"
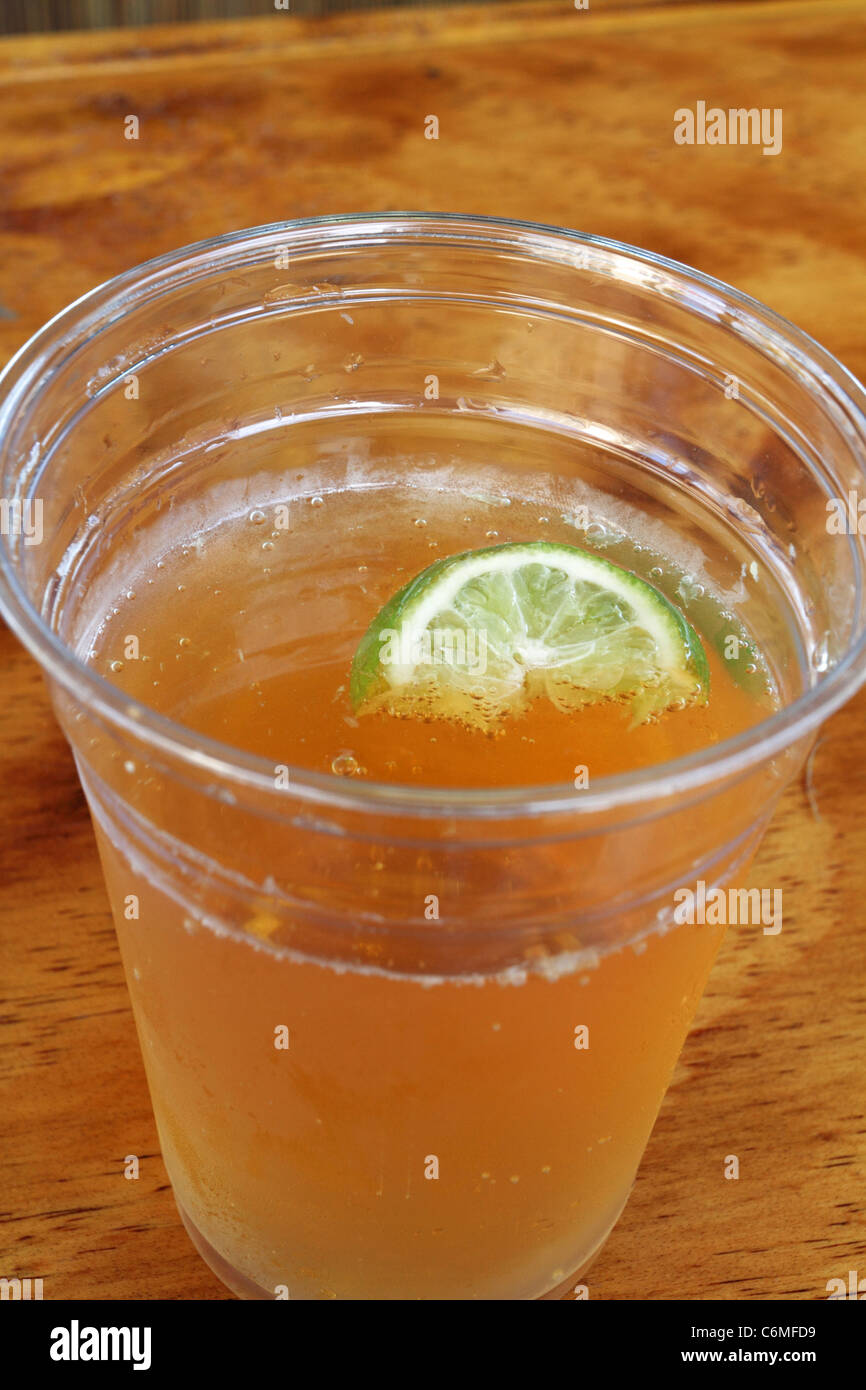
{"x": 548, "y": 113}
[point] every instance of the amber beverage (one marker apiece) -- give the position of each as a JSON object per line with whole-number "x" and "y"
{"x": 440, "y": 1119}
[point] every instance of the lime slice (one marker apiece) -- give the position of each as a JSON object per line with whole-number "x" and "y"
{"x": 479, "y": 635}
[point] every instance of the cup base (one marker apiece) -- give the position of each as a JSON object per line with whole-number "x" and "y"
{"x": 243, "y": 1287}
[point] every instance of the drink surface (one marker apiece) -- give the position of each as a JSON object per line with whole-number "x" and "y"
{"x": 246, "y": 632}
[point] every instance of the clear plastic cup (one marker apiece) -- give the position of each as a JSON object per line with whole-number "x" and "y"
{"x": 361, "y": 1101}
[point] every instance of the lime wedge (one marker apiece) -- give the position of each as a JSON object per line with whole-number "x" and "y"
{"x": 479, "y": 635}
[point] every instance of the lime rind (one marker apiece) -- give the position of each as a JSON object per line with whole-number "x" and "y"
{"x": 557, "y": 622}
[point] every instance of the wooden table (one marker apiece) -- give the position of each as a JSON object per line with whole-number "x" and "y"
{"x": 549, "y": 113}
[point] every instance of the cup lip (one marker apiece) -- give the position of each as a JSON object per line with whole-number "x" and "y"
{"x": 730, "y": 759}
